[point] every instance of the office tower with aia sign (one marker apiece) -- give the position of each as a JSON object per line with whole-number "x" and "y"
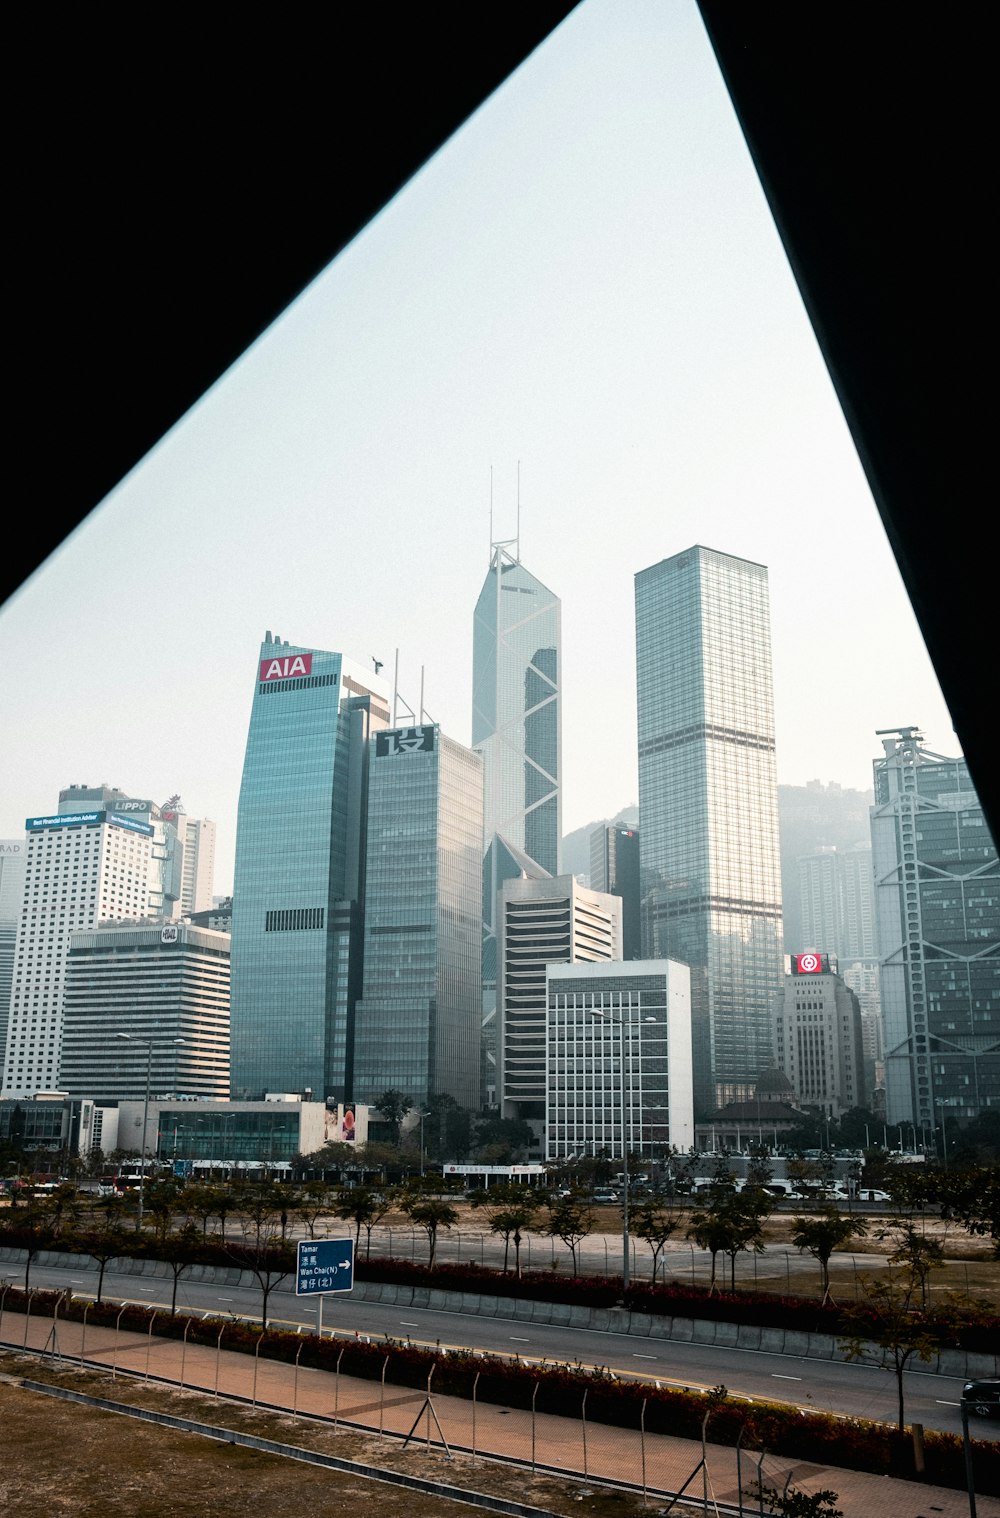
{"x": 298, "y": 890}
{"x": 708, "y": 806}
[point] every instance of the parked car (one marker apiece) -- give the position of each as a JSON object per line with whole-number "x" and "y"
{"x": 605, "y": 1197}
{"x": 866, "y": 1194}
{"x": 982, "y": 1398}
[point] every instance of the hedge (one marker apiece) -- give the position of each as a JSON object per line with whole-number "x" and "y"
{"x": 823, "y": 1438}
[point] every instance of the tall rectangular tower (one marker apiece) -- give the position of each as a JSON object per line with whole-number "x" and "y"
{"x": 418, "y": 1022}
{"x": 83, "y": 868}
{"x": 517, "y": 727}
{"x": 13, "y": 862}
{"x": 614, "y": 867}
{"x": 708, "y": 806}
{"x": 937, "y": 892}
{"x": 299, "y": 866}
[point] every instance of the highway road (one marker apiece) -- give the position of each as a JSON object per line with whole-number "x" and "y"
{"x": 832, "y": 1386}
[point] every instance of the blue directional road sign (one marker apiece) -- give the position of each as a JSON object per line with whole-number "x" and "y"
{"x": 324, "y": 1265}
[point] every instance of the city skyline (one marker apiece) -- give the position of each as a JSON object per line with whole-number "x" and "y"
{"x": 554, "y": 288}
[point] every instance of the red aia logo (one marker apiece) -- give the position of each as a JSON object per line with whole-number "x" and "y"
{"x": 289, "y": 667}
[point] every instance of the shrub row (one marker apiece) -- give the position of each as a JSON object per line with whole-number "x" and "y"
{"x": 756, "y": 1309}
{"x": 854, "y": 1443}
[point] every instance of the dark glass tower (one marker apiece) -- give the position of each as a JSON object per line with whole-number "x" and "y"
{"x": 708, "y": 806}
{"x": 418, "y": 1023}
{"x": 517, "y": 727}
{"x": 299, "y": 879}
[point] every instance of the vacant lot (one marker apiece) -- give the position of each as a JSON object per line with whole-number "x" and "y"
{"x": 69, "y": 1459}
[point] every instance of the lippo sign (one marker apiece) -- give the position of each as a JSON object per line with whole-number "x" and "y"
{"x": 286, "y": 667}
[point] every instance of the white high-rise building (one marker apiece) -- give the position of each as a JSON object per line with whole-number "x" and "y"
{"x": 146, "y": 996}
{"x": 196, "y": 846}
{"x": 13, "y": 860}
{"x": 542, "y": 922}
{"x": 82, "y": 868}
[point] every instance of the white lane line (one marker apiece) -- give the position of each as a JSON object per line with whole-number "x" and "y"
{"x": 225, "y": 1299}
{"x": 405, "y": 1323}
{"x": 776, "y": 1376}
{"x": 516, "y": 1339}
{"x": 643, "y": 1357}
{"x": 946, "y": 1404}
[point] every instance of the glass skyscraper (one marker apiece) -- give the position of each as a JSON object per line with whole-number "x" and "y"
{"x": 417, "y": 1025}
{"x": 299, "y": 867}
{"x": 937, "y": 894}
{"x": 708, "y": 809}
{"x": 517, "y": 727}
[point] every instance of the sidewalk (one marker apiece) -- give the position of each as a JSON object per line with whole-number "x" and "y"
{"x": 586, "y": 1450}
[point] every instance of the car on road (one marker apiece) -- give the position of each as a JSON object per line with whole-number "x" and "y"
{"x": 605, "y": 1198}
{"x": 982, "y": 1397}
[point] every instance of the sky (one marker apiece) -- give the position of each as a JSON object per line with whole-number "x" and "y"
{"x": 581, "y": 299}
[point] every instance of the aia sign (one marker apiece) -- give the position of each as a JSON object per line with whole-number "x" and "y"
{"x": 287, "y": 667}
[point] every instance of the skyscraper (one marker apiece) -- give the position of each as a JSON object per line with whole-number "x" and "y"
{"x": 196, "y": 844}
{"x": 708, "y": 813}
{"x": 541, "y": 923}
{"x": 165, "y": 986}
{"x": 417, "y": 1026}
{"x": 299, "y": 873}
{"x": 938, "y": 910}
{"x": 13, "y": 862}
{"x": 517, "y": 727}
{"x": 818, "y": 1039}
{"x": 83, "y": 868}
{"x": 614, "y": 867}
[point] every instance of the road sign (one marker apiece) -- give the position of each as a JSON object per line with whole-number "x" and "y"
{"x": 324, "y": 1265}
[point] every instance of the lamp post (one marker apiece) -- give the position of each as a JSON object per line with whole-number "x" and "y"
{"x": 621, "y": 1022}
{"x": 422, "y": 1116}
{"x": 134, "y": 1038}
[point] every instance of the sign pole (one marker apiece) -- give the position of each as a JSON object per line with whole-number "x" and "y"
{"x": 319, "y": 1315}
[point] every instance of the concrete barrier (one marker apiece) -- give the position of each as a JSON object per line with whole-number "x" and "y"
{"x": 950, "y": 1362}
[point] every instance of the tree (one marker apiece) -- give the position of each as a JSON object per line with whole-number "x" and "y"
{"x": 571, "y": 1219}
{"x": 163, "y": 1202}
{"x": 501, "y": 1140}
{"x": 891, "y": 1319}
{"x": 394, "y": 1105}
{"x": 729, "y": 1225}
{"x": 654, "y": 1220}
{"x": 919, "y": 1253}
{"x": 312, "y": 1201}
{"x": 204, "y": 1202}
{"x": 104, "y": 1245}
{"x": 824, "y": 1233}
{"x": 364, "y": 1206}
{"x": 792, "y": 1502}
{"x": 429, "y": 1212}
{"x": 268, "y": 1258}
{"x": 509, "y": 1209}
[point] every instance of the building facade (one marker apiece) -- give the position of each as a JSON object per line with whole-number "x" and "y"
{"x": 146, "y": 998}
{"x": 618, "y": 1059}
{"x": 82, "y": 868}
{"x": 517, "y": 728}
{"x": 196, "y": 843}
{"x": 418, "y": 1020}
{"x": 13, "y": 865}
{"x": 938, "y": 910}
{"x": 300, "y": 851}
{"x": 614, "y": 867}
{"x": 818, "y": 1037}
{"x": 541, "y": 923}
{"x": 709, "y": 857}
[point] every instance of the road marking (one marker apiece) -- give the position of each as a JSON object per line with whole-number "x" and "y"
{"x": 777, "y": 1376}
{"x": 405, "y": 1323}
{"x": 643, "y": 1357}
{"x": 225, "y": 1299}
{"x": 516, "y": 1339}
{"x": 946, "y": 1404}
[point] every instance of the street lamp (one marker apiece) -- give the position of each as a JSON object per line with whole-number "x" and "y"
{"x": 138, "y": 1039}
{"x": 422, "y": 1116}
{"x": 621, "y": 1024}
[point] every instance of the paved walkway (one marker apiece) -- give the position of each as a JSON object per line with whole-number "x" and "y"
{"x": 581, "y": 1449}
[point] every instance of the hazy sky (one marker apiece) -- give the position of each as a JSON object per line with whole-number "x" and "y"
{"x": 586, "y": 279}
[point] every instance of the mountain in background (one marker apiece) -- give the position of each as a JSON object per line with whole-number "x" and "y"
{"x": 576, "y": 845}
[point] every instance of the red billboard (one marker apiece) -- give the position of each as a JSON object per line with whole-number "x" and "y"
{"x": 810, "y": 964}
{"x": 286, "y": 667}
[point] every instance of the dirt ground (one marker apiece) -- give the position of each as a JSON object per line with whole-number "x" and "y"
{"x": 64, "y": 1458}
